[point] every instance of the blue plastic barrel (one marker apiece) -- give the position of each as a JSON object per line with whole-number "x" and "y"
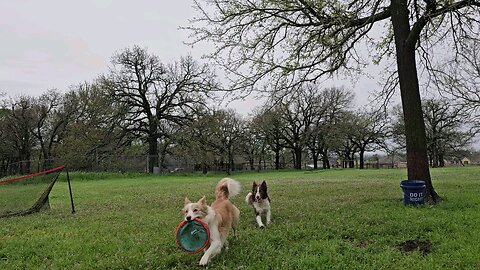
{"x": 413, "y": 192}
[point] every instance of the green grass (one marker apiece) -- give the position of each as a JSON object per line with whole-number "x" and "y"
{"x": 18, "y": 196}
{"x": 334, "y": 219}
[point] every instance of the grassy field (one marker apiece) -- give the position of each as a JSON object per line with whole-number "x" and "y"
{"x": 334, "y": 219}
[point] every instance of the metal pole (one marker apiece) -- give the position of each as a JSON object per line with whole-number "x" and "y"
{"x": 70, "y": 190}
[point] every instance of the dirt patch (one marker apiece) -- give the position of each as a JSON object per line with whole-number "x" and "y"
{"x": 425, "y": 247}
{"x": 362, "y": 244}
{"x": 356, "y": 243}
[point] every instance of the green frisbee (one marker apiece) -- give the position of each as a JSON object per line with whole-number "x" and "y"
{"x": 192, "y": 236}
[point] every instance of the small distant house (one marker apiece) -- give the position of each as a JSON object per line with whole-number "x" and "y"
{"x": 385, "y": 162}
{"x": 466, "y": 161}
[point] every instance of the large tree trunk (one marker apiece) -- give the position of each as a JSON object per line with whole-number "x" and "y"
{"x": 277, "y": 159}
{"x": 277, "y": 155}
{"x": 417, "y": 159}
{"x": 163, "y": 155}
{"x": 152, "y": 153}
{"x": 231, "y": 160}
{"x": 362, "y": 160}
{"x": 152, "y": 145}
{"x": 204, "y": 168}
{"x": 298, "y": 158}
{"x": 441, "y": 160}
{"x": 326, "y": 162}
{"x": 25, "y": 156}
{"x": 315, "y": 159}
{"x": 351, "y": 161}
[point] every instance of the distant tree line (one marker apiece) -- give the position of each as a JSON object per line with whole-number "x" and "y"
{"x": 145, "y": 107}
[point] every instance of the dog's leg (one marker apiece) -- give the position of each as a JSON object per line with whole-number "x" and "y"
{"x": 258, "y": 217}
{"x": 235, "y": 221}
{"x": 214, "y": 248}
{"x": 225, "y": 242}
{"x": 269, "y": 216}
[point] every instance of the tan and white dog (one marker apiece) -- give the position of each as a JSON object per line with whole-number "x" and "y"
{"x": 220, "y": 217}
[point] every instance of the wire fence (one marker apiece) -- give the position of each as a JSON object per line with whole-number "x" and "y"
{"x": 127, "y": 163}
{"x": 166, "y": 164}
{"x": 25, "y": 167}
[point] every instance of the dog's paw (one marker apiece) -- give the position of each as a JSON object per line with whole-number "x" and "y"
{"x": 203, "y": 262}
{"x": 261, "y": 226}
{"x": 225, "y": 245}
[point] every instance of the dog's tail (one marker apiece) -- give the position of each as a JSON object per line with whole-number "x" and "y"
{"x": 248, "y": 198}
{"x": 227, "y": 188}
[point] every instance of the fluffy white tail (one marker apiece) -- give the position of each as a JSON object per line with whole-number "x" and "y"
{"x": 248, "y": 198}
{"x": 227, "y": 188}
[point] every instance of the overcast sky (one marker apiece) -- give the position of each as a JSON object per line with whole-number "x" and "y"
{"x": 57, "y": 43}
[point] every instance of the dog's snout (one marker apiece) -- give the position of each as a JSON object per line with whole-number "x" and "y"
{"x": 189, "y": 218}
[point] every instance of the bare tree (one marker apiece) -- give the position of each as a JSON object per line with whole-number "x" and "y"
{"x": 331, "y": 105}
{"x": 228, "y": 134}
{"x": 448, "y": 129}
{"x": 7, "y": 151}
{"x": 370, "y": 131}
{"x": 254, "y": 140}
{"x": 269, "y": 124}
{"x": 460, "y": 76}
{"x": 213, "y": 137}
{"x": 19, "y": 122}
{"x": 343, "y": 131}
{"x": 298, "y": 112}
{"x": 459, "y": 79}
{"x": 51, "y": 114}
{"x": 155, "y": 92}
{"x": 194, "y": 141}
{"x": 93, "y": 131}
{"x": 305, "y": 40}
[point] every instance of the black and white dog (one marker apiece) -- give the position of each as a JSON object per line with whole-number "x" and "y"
{"x": 260, "y": 201}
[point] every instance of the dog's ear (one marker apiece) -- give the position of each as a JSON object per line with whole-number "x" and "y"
{"x": 203, "y": 201}
{"x": 255, "y": 184}
{"x": 264, "y": 186}
{"x": 187, "y": 201}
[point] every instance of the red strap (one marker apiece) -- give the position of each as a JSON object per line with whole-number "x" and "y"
{"x": 32, "y": 175}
